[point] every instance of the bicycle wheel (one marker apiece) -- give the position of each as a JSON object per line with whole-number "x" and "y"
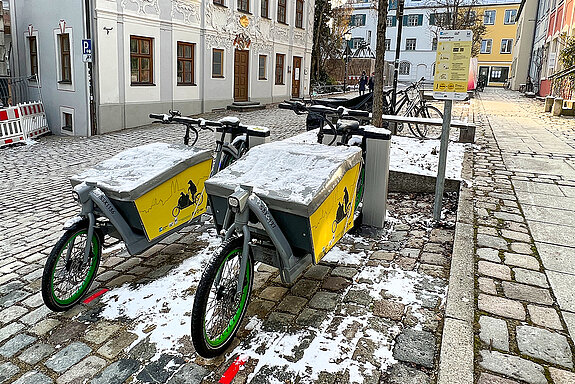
{"x": 66, "y": 277}
{"x": 218, "y": 310}
{"x": 427, "y": 130}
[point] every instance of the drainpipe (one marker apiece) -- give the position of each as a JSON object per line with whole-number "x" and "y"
{"x": 90, "y": 83}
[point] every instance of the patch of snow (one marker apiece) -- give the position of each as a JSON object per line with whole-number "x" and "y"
{"x": 136, "y": 166}
{"x": 421, "y": 157}
{"x": 164, "y": 302}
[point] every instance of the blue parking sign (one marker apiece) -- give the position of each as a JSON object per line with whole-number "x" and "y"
{"x": 87, "y": 47}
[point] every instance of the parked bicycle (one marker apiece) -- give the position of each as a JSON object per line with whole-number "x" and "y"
{"x": 124, "y": 197}
{"x": 416, "y": 106}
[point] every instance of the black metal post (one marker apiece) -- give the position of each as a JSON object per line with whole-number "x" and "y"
{"x": 399, "y": 16}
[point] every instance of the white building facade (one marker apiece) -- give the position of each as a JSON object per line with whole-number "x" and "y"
{"x": 418, "y": 41}
{"x": 155, "y": 55}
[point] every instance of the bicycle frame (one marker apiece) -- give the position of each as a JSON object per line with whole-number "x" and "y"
{"x": 289, "y": 265}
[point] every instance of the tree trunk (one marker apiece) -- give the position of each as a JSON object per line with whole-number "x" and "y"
{"x": 379, "y": 64}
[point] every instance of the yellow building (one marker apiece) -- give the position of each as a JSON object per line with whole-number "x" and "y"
{"x": 496, "y": 55}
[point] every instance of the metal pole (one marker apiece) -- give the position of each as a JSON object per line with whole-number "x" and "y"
{"x": 399, "y": 21}
{"x": 345, "y": 71}
{"x": 440, "y": 182}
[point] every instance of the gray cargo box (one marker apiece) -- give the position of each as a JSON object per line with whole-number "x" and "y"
{"x": 303, "y": 185}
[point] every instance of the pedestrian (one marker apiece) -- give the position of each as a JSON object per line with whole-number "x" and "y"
{"x": 362, "y": 83}
{"x": 371, "y": 82}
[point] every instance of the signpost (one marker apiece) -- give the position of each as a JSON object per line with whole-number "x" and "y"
{"x": 450, "y": 83}
{"x": 87, "y": 51}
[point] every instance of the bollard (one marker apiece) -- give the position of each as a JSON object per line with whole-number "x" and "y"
{"x": 549, "y": 103}
{"x": 568, "y": 108}
{"x": 467, "y": 134}
{"x": 557, "y": 106}
{"x": 378, "y": 142}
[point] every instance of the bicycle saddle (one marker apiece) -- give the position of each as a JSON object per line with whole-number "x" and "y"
{"x": 230, "y": 121}
{"x": 347, "y": 125}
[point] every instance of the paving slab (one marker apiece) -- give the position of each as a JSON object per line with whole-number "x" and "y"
{"x": 552, "y": 233}
{"x": 557, "y": 258}
{"x": 562, "y": 285}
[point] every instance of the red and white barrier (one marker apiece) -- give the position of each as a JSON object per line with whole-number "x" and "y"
{"x": 10, "y": 126}
{"x": 33, "y": 118}
{"x": 21, "y": 122}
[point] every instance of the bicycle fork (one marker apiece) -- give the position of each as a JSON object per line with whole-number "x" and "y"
{"x": 240, "y": 204}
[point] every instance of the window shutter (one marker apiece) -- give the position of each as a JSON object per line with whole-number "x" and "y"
{"x": 394, "y": 21}
{"x": 419, "y": 19}
{"x": 363, "y": 19}
{"x": 404, "y": 20}
{"x": 432, "y": 19}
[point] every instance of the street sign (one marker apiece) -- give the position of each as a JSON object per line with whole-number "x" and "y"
{"x": 87, "y": 51}
{"x": 452, "y": 65}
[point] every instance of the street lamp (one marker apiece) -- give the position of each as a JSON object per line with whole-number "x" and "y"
{"x": 346, "y": 52}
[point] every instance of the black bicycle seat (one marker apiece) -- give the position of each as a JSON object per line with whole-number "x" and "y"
{"x": 347, "y": 125}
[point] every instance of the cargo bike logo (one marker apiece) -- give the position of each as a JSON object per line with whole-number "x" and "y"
{"x": 193, "y": 197}
{"x": 174, "y": 202}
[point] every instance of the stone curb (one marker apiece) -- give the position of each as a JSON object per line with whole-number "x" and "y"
{"x": 456, "y": 357}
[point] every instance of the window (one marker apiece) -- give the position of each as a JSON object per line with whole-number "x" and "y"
{"x": 506, "y": 45}
{"x": 218, "y": 63}
{"x": 510, "y": 15}
{"x": 299, "y": 13}
{"x": 434, "y": 44}
{"x": 499, "y": 74}
{"x": 404, "y": 68}
{"x": 219, "y": 2}
{"x": 282, "y": 11}
{"x": 357, "y": 20}
{"x": 262, "y": 68}
{"x": 486, "y": 46}
{"x": 391, "y": 21}
{"x": 186, "y": 63}
{"x": 489, "y": 18}
{"x": 387, "y": 44}
{"x": 67, "y": 122}
{"x": 356, "y": 42}
{"x": 413, "y": 20}
{"x": 440, "y": 19}
{"x": 141, "y": 60}
{"x": 280, "y": 68}
{"x": 33, "y": 50}
{"x": 265, "y": 9}
{"x": 244, "y": 5}
{"x": 65, "y": 65}
{"x": 410, "y": 44}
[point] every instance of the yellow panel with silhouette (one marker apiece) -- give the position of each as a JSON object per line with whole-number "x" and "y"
{"x": 174, "y": 202}
{"x": 334, "y": 217}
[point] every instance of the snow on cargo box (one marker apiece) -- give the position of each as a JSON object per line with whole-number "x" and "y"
{"x": 157, "y": 187}
{"x": 310, "y": 189}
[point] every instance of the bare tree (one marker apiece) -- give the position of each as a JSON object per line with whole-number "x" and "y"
{"x": 379, "y": 63}
{"x": 457, "y": 15}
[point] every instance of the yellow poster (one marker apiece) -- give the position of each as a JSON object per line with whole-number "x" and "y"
{"x": 334, "y": 217}
{"x": 174, "y": 202}
{"x": 452, "y": 65}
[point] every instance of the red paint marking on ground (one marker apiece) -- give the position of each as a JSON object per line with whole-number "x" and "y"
{"x": 231, "y": 372}
{"x": 95, "y": 295}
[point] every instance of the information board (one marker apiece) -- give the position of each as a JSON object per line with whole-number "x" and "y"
{"x": 452, "y": 65}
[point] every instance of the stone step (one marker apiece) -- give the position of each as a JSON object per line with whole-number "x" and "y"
{"x": 245, "y": 103}
{"x": 245, "y": 108}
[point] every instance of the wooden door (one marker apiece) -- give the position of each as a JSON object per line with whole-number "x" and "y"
{"x": 296, "y": 76}
{"x": 241, "y": 61}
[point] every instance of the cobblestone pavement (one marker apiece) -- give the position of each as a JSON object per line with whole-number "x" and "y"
{"x": 524, "y": 183}
{"x": 81, "y": 345}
